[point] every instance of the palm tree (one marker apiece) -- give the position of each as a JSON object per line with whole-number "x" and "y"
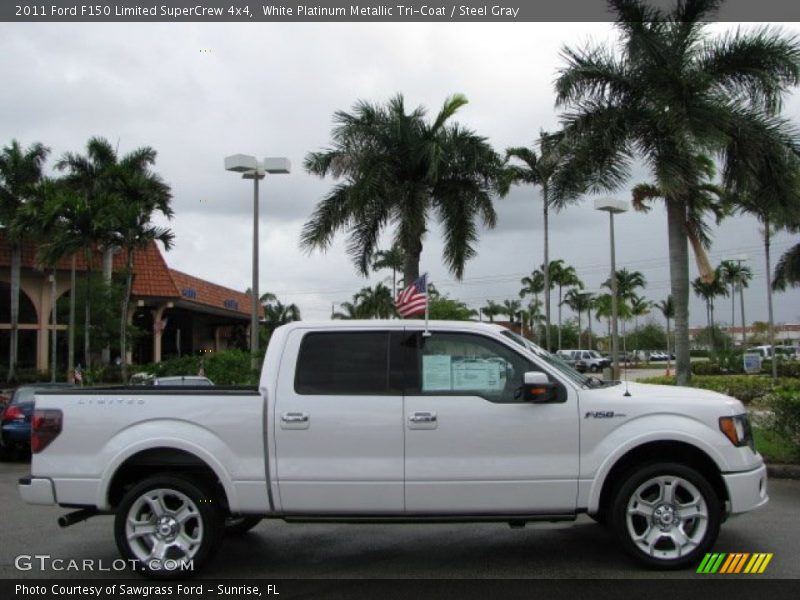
{"x": 560, "y": 185}
{"x": 580, "y": 302}
{"x": 627, "y": 283}
{"x": 533, "y": 317}
{"x": 787, "y": 271}
{"x": 738, "y": 276}
{"x": 563, "y": 276}
{"x": 276, "y": 313}
{"x": 708, "y": 291}
{"x": 137, "y": 194}
{"x": 640, "y": 306}
{"x": 393, "y": 259}
{"x": 398, "y": 170}
{"x": 706, "y": 197}
{"x": 350, "y": 310}
{"x": 667, "y": 308}
{"x": 492, "y": 309}
{"x": 376, "y": 302}
{"x": 88, "y": 176}
{"x": 512, "y": 308}
{"x": 20, "y": 172}
{"x": 667, "y": 92}
{"x": 532, "y": 285}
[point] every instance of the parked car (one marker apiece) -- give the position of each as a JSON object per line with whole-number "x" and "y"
{"x": 15, "y": 422}
{"x": 188, "y": 380}
{"x": 397, "y": 421}
{"x": 592, "y": 360}
{"x": 573, "y": 361}
{"x": 182, "y": 380}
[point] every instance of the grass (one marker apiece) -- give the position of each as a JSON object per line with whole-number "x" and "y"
{"x": 774, "y": 447}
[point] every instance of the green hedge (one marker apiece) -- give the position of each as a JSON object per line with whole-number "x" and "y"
{"x": 747, "y": 388}
{"x": 230, "y": 367}
{"x": 732, "y": 363}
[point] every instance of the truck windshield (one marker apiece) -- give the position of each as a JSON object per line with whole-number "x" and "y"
{"x": 550, "y": 359}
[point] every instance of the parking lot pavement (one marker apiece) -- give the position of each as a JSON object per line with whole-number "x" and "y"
{"x": 279, "y": 550}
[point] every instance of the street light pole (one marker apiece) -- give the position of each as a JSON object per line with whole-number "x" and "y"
{"x": 613, "y": 207}
{"x": 255, "y": 170}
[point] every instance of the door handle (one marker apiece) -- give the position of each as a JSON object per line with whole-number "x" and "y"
{"x": 294, "y": 417}
{"x": 423, "y": 417}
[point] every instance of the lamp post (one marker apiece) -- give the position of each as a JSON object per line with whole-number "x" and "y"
{"x": 613, "y": 207}
{"x": 251, "y": 168}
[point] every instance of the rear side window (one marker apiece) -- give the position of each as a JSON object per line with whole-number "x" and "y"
{"x": 344, "y": 363}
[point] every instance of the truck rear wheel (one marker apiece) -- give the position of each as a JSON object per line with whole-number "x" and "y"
{"x": 666, "y": 515}
{"x": 168, "y": 526}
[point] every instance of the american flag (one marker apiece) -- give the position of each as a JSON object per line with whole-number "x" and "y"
{"x": 413, "y": 300}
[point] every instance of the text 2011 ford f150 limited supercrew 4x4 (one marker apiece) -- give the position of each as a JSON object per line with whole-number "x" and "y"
{"x": 385, "y": 421}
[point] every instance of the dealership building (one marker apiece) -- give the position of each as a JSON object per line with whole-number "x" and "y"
{"x": 178, "y": 313}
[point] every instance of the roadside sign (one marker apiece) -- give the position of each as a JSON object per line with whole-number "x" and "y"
{"x": 752, "y": 363}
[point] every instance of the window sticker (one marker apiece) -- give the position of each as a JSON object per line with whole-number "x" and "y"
{"x": 476, "y": 374}
{"x": 436, "y": 373}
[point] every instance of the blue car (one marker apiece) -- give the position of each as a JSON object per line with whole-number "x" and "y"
{"x": 15, "y": 423}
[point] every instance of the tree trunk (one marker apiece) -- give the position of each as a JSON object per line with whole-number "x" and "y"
{"x": 679, "y": 285}
{"x": 559, "y": 317}
{"x": 546, "y": 272}
{"x": 87, "y": 312}
{"x": 71, "y": 336}
{"x": 744, "y": 323}
{"x": 771, "y": 330}
{"x": 413, "y": 256}
{"x": 123, "y": 326}
{"x": 16, "y": 265}
{"x": 108, "y": 267}
{"x": 54, "y": 331}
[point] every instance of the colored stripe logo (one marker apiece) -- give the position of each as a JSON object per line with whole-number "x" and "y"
{"x": 734, "y": 563}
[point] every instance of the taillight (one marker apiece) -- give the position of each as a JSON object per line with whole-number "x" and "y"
{"x": 13, "y": 413}
{"x": 45, "y": 427}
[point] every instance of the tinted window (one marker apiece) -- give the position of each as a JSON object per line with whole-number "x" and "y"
{"x": 344, "y": 363}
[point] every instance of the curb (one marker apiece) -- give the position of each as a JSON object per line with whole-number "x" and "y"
{"x": 783, "y": 471}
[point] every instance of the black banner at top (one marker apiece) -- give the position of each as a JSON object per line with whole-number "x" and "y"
{"x": 461, "y": 11}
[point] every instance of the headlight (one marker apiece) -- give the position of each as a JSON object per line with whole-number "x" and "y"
{"x": 737, "y": 430}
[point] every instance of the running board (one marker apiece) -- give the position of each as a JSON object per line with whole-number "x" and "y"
{"x": 512, "y": 520}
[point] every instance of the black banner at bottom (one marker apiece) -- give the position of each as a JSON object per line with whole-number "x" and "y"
{"x": 399, "y": 589}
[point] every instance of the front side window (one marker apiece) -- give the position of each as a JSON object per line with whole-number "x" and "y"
{"x": 466, "y": 364}
{"x": 345, "y": 363}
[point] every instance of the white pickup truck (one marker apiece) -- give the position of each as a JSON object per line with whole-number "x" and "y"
{"x": 385, "y": 421}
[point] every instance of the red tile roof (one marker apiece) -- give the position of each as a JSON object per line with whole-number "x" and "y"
{"x": 152, "y": 277}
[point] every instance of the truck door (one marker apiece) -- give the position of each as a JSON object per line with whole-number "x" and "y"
{"x": 338, "y": 423}
{"x": 472, "y": 445}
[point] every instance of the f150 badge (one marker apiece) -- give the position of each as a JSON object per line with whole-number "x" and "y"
{"x": 603, "y": 414}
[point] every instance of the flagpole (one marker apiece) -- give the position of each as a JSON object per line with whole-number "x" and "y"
{"x": 426, "y": 333}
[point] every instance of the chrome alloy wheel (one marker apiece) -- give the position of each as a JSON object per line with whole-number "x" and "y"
{"x": 667, "y": 517}
{"x": 164, "y": 524}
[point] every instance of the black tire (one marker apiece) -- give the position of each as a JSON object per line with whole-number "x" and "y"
{"x": 674, "y": 535}
{"x": 239, "y": 525}
{"x": 594, "y": 369}
{"x": 193, "y": 538}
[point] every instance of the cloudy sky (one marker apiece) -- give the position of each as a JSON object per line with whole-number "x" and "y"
{"x": 199, "y": 92}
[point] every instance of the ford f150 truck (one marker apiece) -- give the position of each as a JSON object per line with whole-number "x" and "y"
{"x": 390, "y": 421}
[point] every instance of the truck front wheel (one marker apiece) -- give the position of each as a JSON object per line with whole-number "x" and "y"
{"x": 237, "y": 525}
{"x": 666, "y": 515}
{"x": 168, "y": 526}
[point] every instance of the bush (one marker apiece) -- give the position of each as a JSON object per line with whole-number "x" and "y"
{"x": 747, "y": 388}
{"x": 784, "y": 402}
{"x": 786, "y": 368}
{"x": 230, "y": 367}
{"x": 706, "y": 368}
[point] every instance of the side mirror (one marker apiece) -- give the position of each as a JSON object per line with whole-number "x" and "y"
{"x": 537, "y": 388}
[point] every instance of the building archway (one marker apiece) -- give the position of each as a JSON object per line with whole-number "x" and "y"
{"x": 28, "y": 326}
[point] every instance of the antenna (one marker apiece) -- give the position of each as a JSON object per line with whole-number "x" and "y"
{"x": 625, "y": 365}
